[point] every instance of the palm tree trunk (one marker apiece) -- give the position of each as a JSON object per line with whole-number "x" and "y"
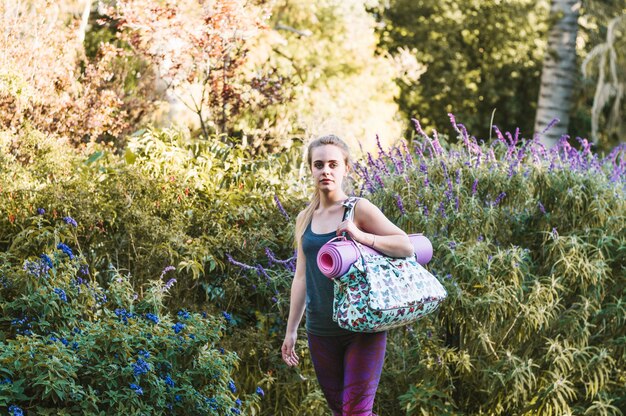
{"x": 558, "y": 73}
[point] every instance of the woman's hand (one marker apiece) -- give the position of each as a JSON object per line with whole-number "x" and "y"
{"x": 355, "y": 234}
{"x": 288, "y": 350}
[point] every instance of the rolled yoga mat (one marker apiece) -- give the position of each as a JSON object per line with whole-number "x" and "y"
{"x": 335, "y": 257}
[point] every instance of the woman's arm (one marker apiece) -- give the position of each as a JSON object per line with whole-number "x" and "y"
{"x": 296, "y": 310}
{"x": 373, "y": 229}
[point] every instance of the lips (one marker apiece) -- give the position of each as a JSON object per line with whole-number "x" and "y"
{"x": 325, "y": 181}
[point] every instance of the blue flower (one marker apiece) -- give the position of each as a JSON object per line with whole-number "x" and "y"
{"x": 168, "y": 380}
{"x": 41, "y": 211}
{"x": 123, "y": 314}
{"x": 15, "y": 410}
{"x": 141, "y": 367}
{"x": 235, "y": 410}
{"x": 152, "y": 317}
{"x": 227, "y": 316}
{"x": 143, "y": 353}
{"x": 64, "y": 248}
{"x": 183, "y": 314}
{"x": 71, "y": 221}
{"x": 61, "y": 294}
{"x": 260, "y": 391}
{"x": 178, "y": 327}
{"x": 177, "y": 398}
{"x": 136, "y": 389}
{"x": 238, "y": 402}
{"x": 6, "y": 381}
{"x": 47, "y": 261}
{"x": 232, "y": 386}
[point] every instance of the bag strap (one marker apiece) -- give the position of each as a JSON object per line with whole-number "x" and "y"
{"x": 349, "y": 205}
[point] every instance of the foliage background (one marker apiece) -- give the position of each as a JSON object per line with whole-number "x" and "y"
{"x": 529, "y": 243}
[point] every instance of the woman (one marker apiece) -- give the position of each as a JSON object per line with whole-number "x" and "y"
{"x": 347, "y": 364}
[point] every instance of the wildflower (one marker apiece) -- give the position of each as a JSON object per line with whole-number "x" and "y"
{"x": 178, "y": 327}
{"x": 238, "y": 402}
{"x": 239, "y": 264}
{"x": 168, "y": 381}
{"x": 260, "y": 391}
{"x": 280, "y": 207}
{"x": 499, "y": 198}
{"x": 141, "y": 367}
{"x": 84, "y": 270}
{"x": 474, "y": 187}
{"x": 167, "y": 269}
{"x": 400, "y": 205}
{"x": 232, "y": 387}
{"x": 123, "y": 314}
{"x": 235, "y": 410}
{"x": 41, "y": 211}
{"x": 6, "y": 381}
{"x": 15, "y": 410}
{"x": 143, "y": 353}
{"x": 442, "y": 210}
{"x": 541, "y": 208}
{"x": 183, "y": 314}
{"x": 227, "y": 316}
{"x": 136, "y": 389}
{"x": 61, "y": 294}
{"x": 64, "y": 248}
{"x": 71, "y": 221}
{"x": 274, "y": 299}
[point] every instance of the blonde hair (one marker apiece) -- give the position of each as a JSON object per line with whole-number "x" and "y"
{"x": 305, "y": 216}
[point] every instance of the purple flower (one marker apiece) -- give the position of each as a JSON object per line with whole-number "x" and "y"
{"x": 400, "y": 205}
{"x": 499, "y": 198}
{"x": 167, "y": 269}
{"x": 71, "y": 221}
{"x": 232, "y": 387}
{"x": 475, "y": 187}
{"x": 442, "y": 210}
{"x": 41, "y": 211}
{"x": 260, "y": 391}
{"x": 541, "y": 208}
{"x": 280, "y": 207}
{"x": 227, "y": 316}
{"x": 169, "y": 284}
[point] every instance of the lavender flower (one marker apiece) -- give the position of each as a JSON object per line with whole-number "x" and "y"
{"x": 499, "y": 198}
{"x": 239, "y": 264}
{"x": 280, "y": 207}
{"x": 475, "y": 187}
{"x": 400, "y": 205}
{"x": 41, "y": 211}
{"x": 541, "y": 208}
{"x": 167, "y": 269}
{"x": 167, "y": 286}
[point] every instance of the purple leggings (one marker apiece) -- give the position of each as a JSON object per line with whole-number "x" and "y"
{"x": 348, "y": 368}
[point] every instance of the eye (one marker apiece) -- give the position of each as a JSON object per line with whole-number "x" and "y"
{"x": 318, "y": 165}
{"x": 333, "y": 165}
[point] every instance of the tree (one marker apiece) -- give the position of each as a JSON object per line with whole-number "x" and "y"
{"x": 479, "y": 55}
{"x": 559, "y": 72}
{"x": 198, "y": 50}
{"x": 609, "y": 86}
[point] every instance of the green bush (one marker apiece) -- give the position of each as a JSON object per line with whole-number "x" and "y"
{"x": 69, "y": 346}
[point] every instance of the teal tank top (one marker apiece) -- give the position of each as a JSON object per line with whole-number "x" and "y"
{"x": 319, "y": 288}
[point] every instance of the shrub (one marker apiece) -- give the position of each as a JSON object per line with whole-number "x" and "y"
{"x": 70, "y": 346}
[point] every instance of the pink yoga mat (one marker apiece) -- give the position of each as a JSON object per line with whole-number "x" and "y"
{"x": 335, "y": 257}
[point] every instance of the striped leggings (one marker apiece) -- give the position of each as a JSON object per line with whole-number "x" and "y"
{"x": 348, "y": 368}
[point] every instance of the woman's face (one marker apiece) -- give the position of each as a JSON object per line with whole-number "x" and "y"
{"x": 328, "y": 167}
